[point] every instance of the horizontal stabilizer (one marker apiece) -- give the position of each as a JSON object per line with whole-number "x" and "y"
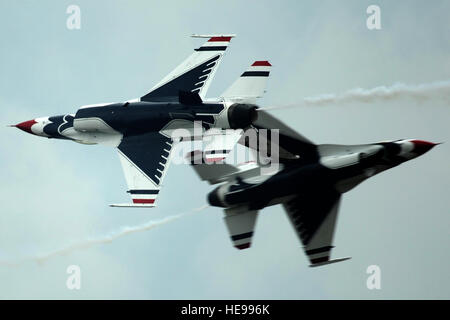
{"x": 251, "y": 84}
{"x": 219, "y": 143}
{"x": 213, "y": 172}
{"x": 240, "y": 224}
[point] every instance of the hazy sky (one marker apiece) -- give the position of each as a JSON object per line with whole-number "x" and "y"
{"x": 54, "y": 193}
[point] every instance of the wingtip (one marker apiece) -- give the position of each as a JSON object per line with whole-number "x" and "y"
{"x": 329, "y": 262}
{"x": 195, "y": 35}
{"x": 131, "y": 205}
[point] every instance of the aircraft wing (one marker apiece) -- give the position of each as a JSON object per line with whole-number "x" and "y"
{"x": 194, "y": 74}
{"x": 289, "y": 144}
{"x": 145, "y": 159}
{"x": 313, "y": 217}
{"x": 266, "y": 121}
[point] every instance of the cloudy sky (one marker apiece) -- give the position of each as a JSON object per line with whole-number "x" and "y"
{"x": 55, "y": 193}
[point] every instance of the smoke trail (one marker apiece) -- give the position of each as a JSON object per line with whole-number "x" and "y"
{"x": 107, "y": 238}
{"x": 420, "y": 92}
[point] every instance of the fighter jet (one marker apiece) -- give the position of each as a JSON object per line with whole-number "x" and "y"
{"x": 308, "y": 182}
{"x": 142, "y": 129}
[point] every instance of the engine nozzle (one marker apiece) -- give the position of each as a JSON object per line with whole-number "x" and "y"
{"x": 241, "y": 116}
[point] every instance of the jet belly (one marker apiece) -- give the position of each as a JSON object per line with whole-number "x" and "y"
{"x": 273, "y": 190}
{"x": 131, "y": 118}
{"x": 340, "y": 172}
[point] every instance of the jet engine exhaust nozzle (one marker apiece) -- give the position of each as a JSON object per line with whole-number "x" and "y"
{"x": 241, "y": 116}
{"x": 215, "y": 199}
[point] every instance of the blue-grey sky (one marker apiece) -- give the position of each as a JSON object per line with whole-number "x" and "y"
{"x": 54, "y": 193}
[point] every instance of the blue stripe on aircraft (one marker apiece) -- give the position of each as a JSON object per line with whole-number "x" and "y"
{"x": 142, "y": 191}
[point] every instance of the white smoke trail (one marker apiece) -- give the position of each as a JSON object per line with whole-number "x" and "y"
{"x": 420, "y": 92}
{"x": 107, "y": 238}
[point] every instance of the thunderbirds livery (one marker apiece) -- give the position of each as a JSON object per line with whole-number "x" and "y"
{"x": 308, "y": 183}
{"x": 308, "y": 180}
{"x": 141, "y": 128}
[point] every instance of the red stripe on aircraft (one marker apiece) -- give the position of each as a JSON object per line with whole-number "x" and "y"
{"x": 223, "y": 39}
{"x": 261, "y": 64}
{"x": 143, "y": 200}
{"x": 214, "y": 159}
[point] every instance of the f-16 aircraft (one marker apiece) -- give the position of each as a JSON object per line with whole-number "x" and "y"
{"x": 308, "y": 183}
{"x": 141, "y": 129}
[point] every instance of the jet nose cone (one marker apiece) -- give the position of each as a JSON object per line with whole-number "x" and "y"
{"x": 26, "y": 126}
{"x": 421, "y": 146}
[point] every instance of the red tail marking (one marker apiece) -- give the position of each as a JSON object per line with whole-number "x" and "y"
{"x": 223, "y": 39}
{"x": 261, "y": 64}
{"x": 143, "y": 200}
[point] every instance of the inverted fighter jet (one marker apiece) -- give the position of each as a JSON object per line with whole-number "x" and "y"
{"x": 141, "y": 129}
{"x": 308, "y": 182}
